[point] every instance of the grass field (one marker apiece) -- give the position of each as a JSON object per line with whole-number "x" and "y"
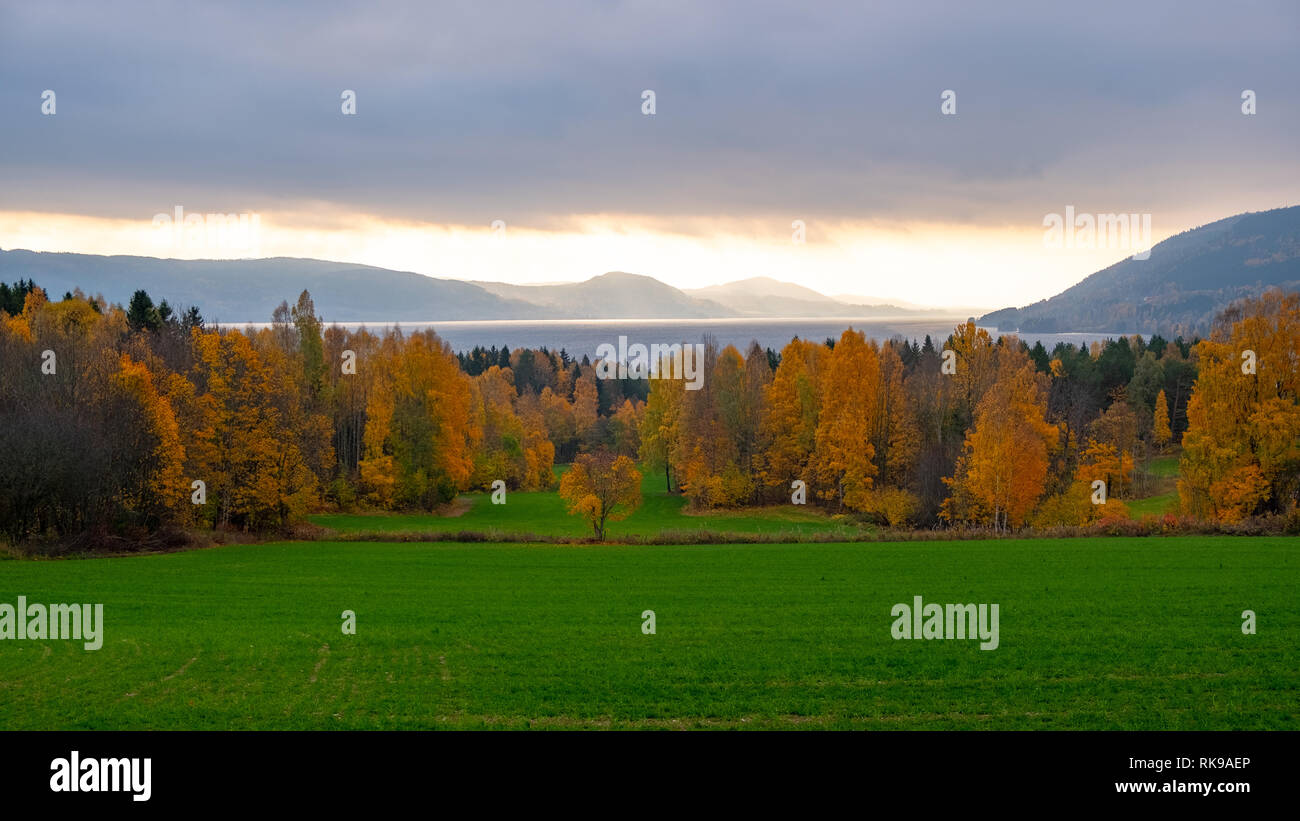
{"x": 1095, "y": 633}
{"x": 1153, "y": 505}
{"x": 1164, "y": 470}
{"x": 1164, "y": 467}
{"x": 543, "y": 514}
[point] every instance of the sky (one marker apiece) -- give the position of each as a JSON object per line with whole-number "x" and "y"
{"x": 511, "y": 141}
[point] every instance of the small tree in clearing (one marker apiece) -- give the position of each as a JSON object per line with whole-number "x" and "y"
{"x": 1161, "y": 430}
{"x": 601, "y": 488}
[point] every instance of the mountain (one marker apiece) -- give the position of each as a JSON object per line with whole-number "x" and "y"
{"x": 616, "y": 295}
{"x": 1188, "y": 279}
{"x": 237, "y": 291}
{"x": 764, "y": 296}
{"x": 910, "y": 307}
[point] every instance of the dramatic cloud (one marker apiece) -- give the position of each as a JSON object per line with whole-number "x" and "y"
{"x": 530, "y": 112}
{"x": 766, "y": 113}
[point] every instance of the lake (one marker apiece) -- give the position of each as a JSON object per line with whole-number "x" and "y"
{"x": 583, "y": 336}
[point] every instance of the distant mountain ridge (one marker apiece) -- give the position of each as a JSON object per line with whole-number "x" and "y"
{"x": 1188, "y": 279}
{"x": 615, "y": 295}
{"x": 764, "y": 296}
{"x": 238, "y": 291}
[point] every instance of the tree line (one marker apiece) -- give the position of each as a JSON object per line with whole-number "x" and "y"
{"x": 993, "y": 433}
{"x": 109, "y": 416}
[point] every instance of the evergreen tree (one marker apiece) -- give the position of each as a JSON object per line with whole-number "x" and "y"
{"x": 141, "y": 315}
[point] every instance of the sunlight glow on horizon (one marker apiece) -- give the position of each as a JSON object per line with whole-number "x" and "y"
{"x": 922, "y": 263}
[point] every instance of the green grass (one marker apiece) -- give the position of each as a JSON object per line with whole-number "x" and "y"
{"x": 1164, "y": 491}
{"x": 1153, "y": 505}
{"x": 1164, "y": 467}
{"x": 543, "y": 513}
{"x": 1095, "y": 633}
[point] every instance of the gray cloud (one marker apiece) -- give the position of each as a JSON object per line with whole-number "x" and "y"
{"x": 474, "y": 111}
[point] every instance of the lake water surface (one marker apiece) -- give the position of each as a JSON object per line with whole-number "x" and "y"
{"x": 583, "y": 336}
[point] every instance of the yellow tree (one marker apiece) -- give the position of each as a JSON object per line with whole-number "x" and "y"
{"x": 731, "y": 430}
{"x": 1241, "y": 451}
{"x": 709, "y": 433}
{"x": 1101, "y": 461}
{"x": 558, "y": 414}
{"x": 158, "y": 489}
{"x": 195, "y": 416}
{"x": 1161, "y": 430}
{"x": 974, "y": 367}
{"x": 601, "y": 488}
{"x": 625, "y": 426}
{"x": 242, "y": 478}
{"x": 539, "y": 451}
{"x": 1111, "y": 451}
{"x": 1002, "y": 472}
{"x": 789, "y": 425}
{"x": 896, "y": 437}
{"x": 304, "y": 457}
{"x": 844, "y": 456}
{"x": 501, "y": 453}
{"x": 658, "y": 431}
{"x": 377, "y": 468}
{"x": 586, "y": 402}
{"x": 421, "y": 434}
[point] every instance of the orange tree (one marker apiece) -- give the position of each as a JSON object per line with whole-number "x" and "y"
{"x": 1002, "y": 471}
{"x": 1241, "y": 451}
{"x": 602, "y": 488}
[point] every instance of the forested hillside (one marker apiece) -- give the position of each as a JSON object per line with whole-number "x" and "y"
{"x": 1186, "y": 282}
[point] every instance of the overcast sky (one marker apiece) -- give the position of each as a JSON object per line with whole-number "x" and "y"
{"x": 766, "y": 113}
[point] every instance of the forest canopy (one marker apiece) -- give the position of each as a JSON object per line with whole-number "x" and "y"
{"x": 119, "y": 420}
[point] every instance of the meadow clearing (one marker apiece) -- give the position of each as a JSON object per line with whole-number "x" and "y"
{"x": 542, "y": 514}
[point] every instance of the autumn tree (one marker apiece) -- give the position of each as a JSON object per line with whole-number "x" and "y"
{"x": 421, "y": 433}
{"x": 1161, "y": 430}
{"x": 500, "y": 454}
{"x": 1110, "y": 453}
{"x": 974, "y": 366}
{"x": 557, "y": 413}
{"x": 625, "y": 427}
{"x": 156, "y": 490}
{"x": 349, "y": 394}
{"x": 539, "y": 451}
{"x": 658, "y": 431}
{"x": 303, "y": 459}
{"x": 792, "y": 402}
{"x": 90, "y": 446}
{"x": 602, "y": 488}
{"x": 700, "y": 456}
{"x": 311, "y": 346}
{"x": 244, "y": 476}
{"x": 1241, "y": 451}
{"x": 930, "y": 402}
{"x": 1002, "y": 471}
{"x": 844, "y": 456}
{"x": 586, "y": 403}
